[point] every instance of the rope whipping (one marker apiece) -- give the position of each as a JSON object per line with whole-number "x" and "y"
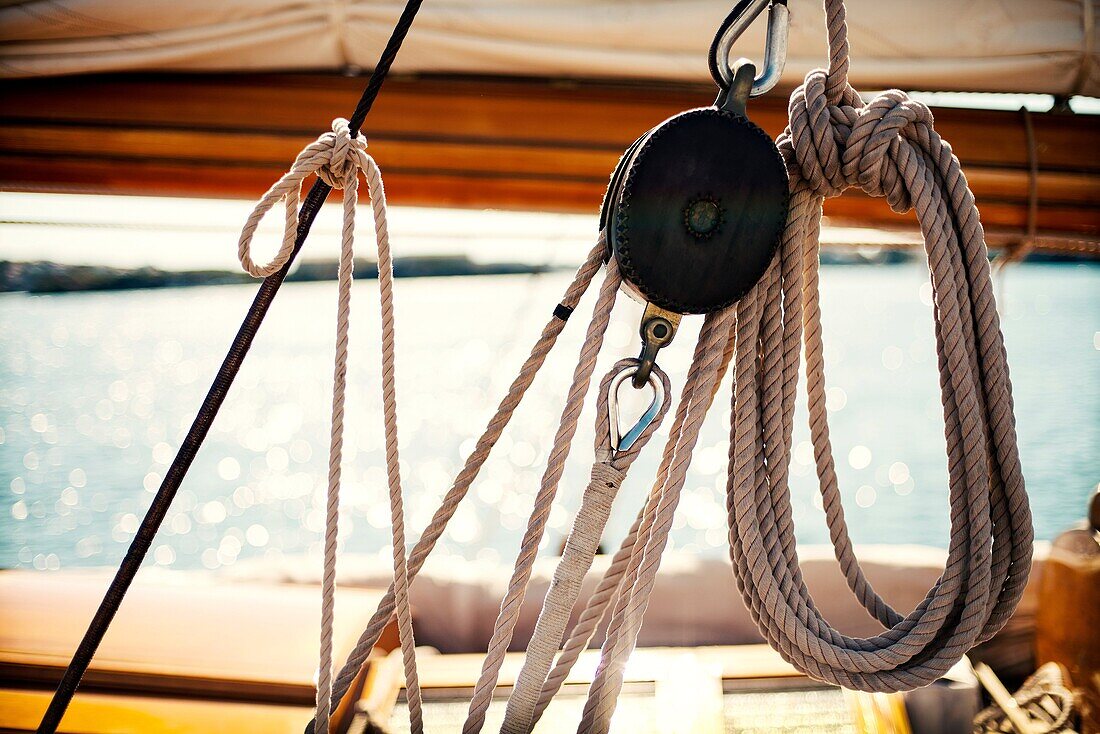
{"x": 219, "y": 388}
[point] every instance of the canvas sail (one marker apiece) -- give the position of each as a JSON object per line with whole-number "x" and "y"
{"x": 1045, "y": 46}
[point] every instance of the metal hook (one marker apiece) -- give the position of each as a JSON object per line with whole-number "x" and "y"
{"x": 625, "y": 441}
{"x": 658, "y": 329}
{"x": 775, "y": 49}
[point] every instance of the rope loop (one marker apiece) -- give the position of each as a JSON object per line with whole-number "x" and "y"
{"x": 887, "y": 147}
{"x": 336, "y": 158}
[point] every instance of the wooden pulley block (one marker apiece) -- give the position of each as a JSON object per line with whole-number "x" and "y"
{"x": 696, "y": 206}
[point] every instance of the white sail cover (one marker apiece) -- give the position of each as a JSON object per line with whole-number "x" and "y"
{"x": 1046, "y": 46}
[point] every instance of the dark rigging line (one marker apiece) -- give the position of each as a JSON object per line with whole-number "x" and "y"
{"x": 158, "y": 509}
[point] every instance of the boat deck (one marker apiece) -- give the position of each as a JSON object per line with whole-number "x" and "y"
{"x": 185, "y": 653}
{"x": 747, "y": 689}
{"x": 194, "y": 653}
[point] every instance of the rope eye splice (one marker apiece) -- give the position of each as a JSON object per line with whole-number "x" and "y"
{"x": 619, "y": 441}
{"x": 692, "y": 218}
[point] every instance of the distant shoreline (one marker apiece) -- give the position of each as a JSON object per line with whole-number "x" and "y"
{"x": 45, "y": 277}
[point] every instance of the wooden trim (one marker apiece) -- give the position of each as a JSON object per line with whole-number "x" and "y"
{"x": 184, "y": 638}
{"x": 97, "y": 713}
{"x": 459, "y": 672}
{"x": 513, "y": 144}
{"x": 46, "y": 677}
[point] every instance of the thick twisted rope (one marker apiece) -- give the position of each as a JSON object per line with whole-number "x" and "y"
{"x": 337, "y": 158}
{"x": 888, "y": 148}
{"x": 540, "y": 513}
{"x": 465, "y": 478}
{"x": 608, "y": 473}
{"x": 641, "y": 572}
{"x": 597, "y": 608}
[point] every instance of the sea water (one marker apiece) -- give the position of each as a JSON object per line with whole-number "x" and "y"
{"x": 98, "y": 389}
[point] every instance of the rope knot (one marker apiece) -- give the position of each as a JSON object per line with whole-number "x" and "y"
{"x": 336, "y": 157}
{"x": 345, "y": 155}
{"x": 849, "y": 143}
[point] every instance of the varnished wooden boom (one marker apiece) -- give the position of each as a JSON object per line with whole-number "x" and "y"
{"x": 511, "y": 144}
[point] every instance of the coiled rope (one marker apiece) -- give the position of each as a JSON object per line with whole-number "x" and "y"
{"x": 887, "y": 147}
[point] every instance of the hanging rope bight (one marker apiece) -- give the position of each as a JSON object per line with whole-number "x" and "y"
{"x": 728, "y": 228}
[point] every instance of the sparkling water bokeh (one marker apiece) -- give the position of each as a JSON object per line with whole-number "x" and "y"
{"x": 97, "y": 390}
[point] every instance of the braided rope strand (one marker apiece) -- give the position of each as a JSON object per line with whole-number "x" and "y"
{"x": 598, "y": 606}
{"x": 465, "y": 478}
{"x": 540, "y": 513}
{"x": 608, "y": 473}
{"x": 698, "y": 393}
{"x": 337, "y": 158}
{"x": 888, "y": 148}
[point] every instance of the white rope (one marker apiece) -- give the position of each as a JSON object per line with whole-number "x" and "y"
{"x": 635, "y": 589}
{"x": 474, "y": 462}
{"x": 887, "y": 147}
{"x": 540, "y": 513}
{"x": 608, "y": 473}
{"x": 337, "y": 158}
